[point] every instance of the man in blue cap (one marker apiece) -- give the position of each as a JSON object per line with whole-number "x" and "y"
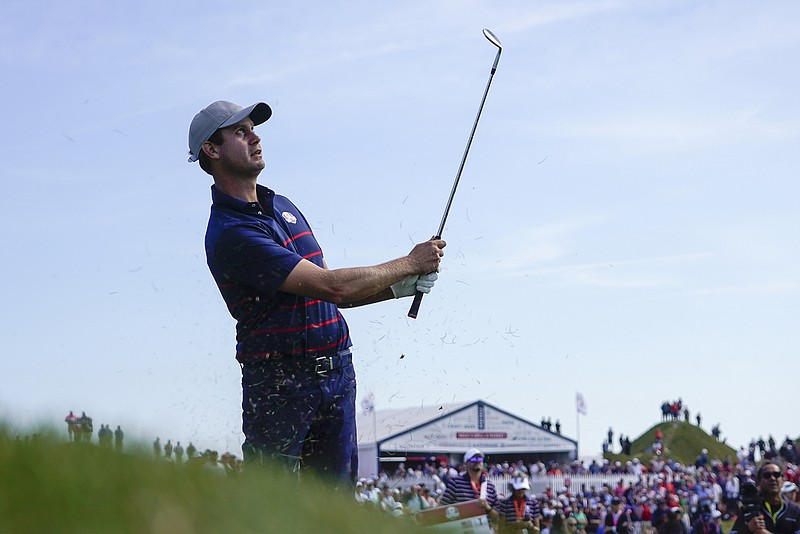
{"x": 293, "y": 344}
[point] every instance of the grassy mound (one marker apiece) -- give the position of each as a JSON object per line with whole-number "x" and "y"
{"x": 682, "y": 442}
{"x": 48, "y": 485}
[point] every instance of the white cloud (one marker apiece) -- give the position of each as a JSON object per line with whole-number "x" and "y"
{"x": 669, "y": 131}
{"x": 560, "y": 12}
{"x": 549, "y": 251}
{"x": 636, "y": 272}
{"x": 751, "y": 289}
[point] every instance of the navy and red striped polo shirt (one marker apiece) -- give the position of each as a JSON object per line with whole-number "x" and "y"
{"x": 251, "y": 248}
{"x": 511, "y": 511}
{"x": 461, "y": 489}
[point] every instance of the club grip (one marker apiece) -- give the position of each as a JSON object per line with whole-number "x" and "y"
{"x": 412, "y": 312}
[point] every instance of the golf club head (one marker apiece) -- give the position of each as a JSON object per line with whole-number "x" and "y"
{"x": 492, "y": 38}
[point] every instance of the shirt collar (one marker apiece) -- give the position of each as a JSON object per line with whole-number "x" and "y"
{"x": 265, "y": 194}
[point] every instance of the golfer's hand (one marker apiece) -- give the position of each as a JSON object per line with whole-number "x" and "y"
{"x": 412, "y": 284}
{"x": 428, "y": 255}
{"x": 426, "y": 281}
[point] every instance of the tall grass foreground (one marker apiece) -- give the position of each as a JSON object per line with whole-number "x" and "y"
{"x": 48, "y": 484}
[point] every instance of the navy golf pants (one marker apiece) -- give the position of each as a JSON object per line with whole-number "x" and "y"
{"x": 303, "y": 419}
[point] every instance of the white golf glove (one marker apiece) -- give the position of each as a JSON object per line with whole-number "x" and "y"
{"x": 412, "y": 284}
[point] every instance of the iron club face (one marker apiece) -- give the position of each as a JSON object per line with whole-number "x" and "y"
{"x": 495, "y": 41}
{"x": 492, "y": 38}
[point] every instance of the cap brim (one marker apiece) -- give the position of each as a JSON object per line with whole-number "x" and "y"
{"x": 258, "y": 113}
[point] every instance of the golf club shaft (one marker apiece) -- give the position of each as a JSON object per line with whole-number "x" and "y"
{"x": 414, "y": 310}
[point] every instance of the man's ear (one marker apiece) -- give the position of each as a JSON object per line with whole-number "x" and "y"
{"x": 211, "y": 150}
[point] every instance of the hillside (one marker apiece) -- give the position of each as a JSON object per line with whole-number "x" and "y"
{"x": 682, "y": 442}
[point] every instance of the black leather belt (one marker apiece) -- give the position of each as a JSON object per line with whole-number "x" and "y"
{"x": 321, "y": 365}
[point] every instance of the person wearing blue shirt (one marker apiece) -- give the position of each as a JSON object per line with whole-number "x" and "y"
{"x": 293, "y": 344}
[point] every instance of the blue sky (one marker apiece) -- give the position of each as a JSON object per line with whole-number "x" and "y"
{"x": 626, "y": 224}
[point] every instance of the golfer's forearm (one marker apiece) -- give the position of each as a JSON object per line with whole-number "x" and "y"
{"x": 385, "y": 294}
{"x": 358, "y": 286}
{"x": 349, "y": 286}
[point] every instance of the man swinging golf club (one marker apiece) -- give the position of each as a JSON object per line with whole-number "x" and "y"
{"x": 293, "y": 344}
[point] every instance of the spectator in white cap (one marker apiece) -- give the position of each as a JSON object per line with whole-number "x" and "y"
{"x": 789, "y": 491}
{"x": 716, "y": 516}
{"x": 519, "y": 512}
{"x": 473, "y": 484}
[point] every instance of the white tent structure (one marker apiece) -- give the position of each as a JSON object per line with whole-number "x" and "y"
{"x": 444, "y": 432}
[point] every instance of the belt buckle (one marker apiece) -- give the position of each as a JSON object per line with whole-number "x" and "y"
{"x": 320, "y": 368}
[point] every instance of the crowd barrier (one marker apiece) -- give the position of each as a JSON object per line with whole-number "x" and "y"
{"x": 574, "y": 482}
{"x": 538, "y": 483}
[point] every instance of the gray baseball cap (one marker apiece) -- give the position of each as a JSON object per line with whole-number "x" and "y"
{"x": 219, "y": 115}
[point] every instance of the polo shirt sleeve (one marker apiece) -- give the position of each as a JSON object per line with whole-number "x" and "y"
{"x": 251, "y": 255}
{"x": 491, "y": 496}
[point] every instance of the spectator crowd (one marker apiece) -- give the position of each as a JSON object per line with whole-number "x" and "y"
{"x": 661, "y": 496}
{"x": 80, "y": 430}
{"x": 208, "y": 459}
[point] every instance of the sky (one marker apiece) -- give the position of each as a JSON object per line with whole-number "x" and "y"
{"x": 626, "y": 225}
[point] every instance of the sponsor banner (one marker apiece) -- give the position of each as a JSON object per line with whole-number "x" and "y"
{"x": 479, "y": 426}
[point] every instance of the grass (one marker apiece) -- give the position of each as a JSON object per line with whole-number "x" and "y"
{"x": 48, "y": 485}
{"x": 683, "y": 442}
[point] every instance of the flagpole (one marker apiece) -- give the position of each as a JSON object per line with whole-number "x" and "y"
{"x": 368, "y": 405}
{"x": 580, "y": 408}
{"x": 375, "y": 426}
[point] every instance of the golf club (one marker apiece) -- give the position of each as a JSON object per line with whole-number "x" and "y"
{"x": 496, "y": 42}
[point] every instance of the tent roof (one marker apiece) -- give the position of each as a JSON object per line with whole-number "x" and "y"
{"x": 392, "y": 421}
{"x": 452, "y": 427}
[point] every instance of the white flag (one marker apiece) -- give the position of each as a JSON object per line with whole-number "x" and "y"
{"x": 368, "y": 403}
{"x": 580, "y": 403}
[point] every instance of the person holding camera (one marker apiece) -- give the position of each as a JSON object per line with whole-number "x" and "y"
{"x": 763, "y": 511}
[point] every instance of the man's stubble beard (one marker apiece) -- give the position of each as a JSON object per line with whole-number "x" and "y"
{"x": 251, "y": 170}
